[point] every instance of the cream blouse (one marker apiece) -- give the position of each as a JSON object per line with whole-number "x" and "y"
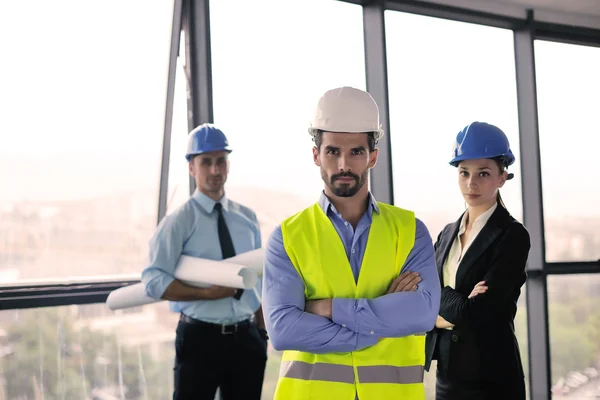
{"x": 457, "y": 252}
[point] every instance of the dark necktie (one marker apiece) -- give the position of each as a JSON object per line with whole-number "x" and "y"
{"x": 225, "y": 241}
{"x": 227, "y": 249}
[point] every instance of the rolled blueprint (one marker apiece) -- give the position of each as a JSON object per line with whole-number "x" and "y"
{"x": 129, "y": 296}
{"x": 253, "y": 259}
{"x": 201, "y": 272}
{"x": 239, "y": 272}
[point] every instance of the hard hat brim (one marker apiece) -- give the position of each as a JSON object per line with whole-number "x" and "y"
{"x": 378, "y": 133}
{"x": 456, "y": 160}
{"x": 189, "y": 156}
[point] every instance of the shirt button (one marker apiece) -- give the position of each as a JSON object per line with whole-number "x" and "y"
{"x": 372, "y": 332}
{"x": 344, "y": 325}
{"x": 346, "y": 223}
{"x": 352, "y": 251}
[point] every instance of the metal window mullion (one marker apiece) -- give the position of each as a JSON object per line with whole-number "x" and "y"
{"x": 196, "y": 27}
{"x": 570, "y": 268}
{"x": 36, "y": 296}
{"x": 377, "y": 86}
{"x": 537, "y": 304}
{"x": 163, "y": 191}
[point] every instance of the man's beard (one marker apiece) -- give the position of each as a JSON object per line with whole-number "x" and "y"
{"x": 345, "y": 189}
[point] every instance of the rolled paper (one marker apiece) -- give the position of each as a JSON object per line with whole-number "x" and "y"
{"x": 240, "y": 271}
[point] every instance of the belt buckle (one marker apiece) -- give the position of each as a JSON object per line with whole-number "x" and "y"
{"x": 225, "y": 331}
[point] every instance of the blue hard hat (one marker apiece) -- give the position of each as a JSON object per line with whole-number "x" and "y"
{"x": 206, "y": 138}
{"x": 481, "y": 140}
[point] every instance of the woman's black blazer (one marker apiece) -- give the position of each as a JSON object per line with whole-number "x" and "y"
{"x": 482, "y": 345}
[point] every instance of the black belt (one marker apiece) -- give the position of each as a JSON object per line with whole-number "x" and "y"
{"x": 224, "y": 329}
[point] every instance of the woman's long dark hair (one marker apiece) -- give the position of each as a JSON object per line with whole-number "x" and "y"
{"x": 500, "y": 201}
{"x": 502, "y": 167}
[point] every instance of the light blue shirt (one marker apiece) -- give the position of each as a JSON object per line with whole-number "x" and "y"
{"x": 191, "y": 230}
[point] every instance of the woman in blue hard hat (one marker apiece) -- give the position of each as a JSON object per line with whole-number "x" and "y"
{"x": 481, "y": 261}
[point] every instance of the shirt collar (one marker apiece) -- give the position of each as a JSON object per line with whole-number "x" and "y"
{"x": 480, "y": 221}
{"x": 207, "y": 203}
{"x": 327, "y": 205}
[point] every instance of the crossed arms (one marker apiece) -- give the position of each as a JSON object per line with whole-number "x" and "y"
{"x": 342, "y": 324}
{"x": 500, "y": 285}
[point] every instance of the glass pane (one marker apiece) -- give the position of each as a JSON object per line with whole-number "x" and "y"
{"x": 268, "y": 75}
{"x": 82, "y": 101}
{"x": 467, "y": 74}
{"x": 442, "y": 76}
{"x": 568, "y": 84}
{"x": 574, "y": 318}
{"x": 87, "y": 352}
{"x": 179, "y": 176}
{"x": 521, "y": 334}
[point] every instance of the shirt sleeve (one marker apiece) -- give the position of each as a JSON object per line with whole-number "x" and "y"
{"x": 398, "y": 314}
{"x": 165, "y": 248}
{"x": 255, "y": 298}
{"x": 289, "y": 326}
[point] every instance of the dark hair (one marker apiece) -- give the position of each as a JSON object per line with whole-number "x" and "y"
{"x": 502, "y": 167}
{"x": 318, "y": 139}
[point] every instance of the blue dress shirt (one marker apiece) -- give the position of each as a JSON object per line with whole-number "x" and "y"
{"x": 191, "y": 230}
{"x": 355, "y": 323}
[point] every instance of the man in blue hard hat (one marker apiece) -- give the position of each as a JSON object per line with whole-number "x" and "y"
{"x": 221, "y": 341}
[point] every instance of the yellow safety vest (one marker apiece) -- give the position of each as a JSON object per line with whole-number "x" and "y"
{"x": 391, "y": 369}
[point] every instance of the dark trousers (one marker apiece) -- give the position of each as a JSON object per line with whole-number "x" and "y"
{"x": 207, "y": 359}
{"x": 513, "y": 389}
{"x": 461, "y": 385}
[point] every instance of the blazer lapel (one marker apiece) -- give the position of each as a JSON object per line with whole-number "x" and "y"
{"x": 444, "y": 248}
{"x": 487, "y": 236}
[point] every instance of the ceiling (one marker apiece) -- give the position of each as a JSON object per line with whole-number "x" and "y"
{"x": 578, "y": 13}
{"x": 586, "y": 7}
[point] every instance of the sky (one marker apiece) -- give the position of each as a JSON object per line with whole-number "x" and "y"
{"x": 82, "y": 99}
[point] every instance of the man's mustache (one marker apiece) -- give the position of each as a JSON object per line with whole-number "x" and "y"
{"x": 344, "y": 175}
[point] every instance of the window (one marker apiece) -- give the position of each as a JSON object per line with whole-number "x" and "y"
{"x": 268, "y": 74}
{"x": 568, "y": 85}
{"x": 82, "y": 122}
{"x": 179, "y": 176}
{"x": 521, "y": 334}
{"x": 443, "y": 75}
{"x": 84, "y": 352}
{"x": 574, "y": 319}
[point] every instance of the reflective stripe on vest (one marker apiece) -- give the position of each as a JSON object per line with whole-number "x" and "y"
{"x": 391, "y": 374}
{"x": 345, "y": 373}
{"x": 317, "y": 371}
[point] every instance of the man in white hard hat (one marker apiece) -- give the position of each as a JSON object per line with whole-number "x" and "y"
{"x": 350, "y": 284}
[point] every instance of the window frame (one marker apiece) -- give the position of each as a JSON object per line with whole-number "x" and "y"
{"x": 192, "y": 19}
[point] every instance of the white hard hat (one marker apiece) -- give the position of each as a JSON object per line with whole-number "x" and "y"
{"x": 346, "y": 110}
